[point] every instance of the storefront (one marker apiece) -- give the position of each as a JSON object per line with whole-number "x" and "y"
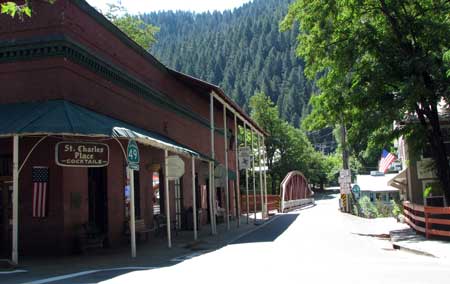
{"x": 75, "y": 91}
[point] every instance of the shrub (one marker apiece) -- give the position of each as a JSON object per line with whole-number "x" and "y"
{"x": 368, "y": 209}
{"x": 396, "y": 208}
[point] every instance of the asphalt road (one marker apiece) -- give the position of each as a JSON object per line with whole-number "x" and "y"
{"x": 314, "y": 245}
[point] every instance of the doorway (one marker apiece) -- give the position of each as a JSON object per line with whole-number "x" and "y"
{"x": 98, "y": 199}
{"x": 5, "y": 205}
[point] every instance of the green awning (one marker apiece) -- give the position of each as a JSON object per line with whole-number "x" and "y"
{"x": 61, "y": 117}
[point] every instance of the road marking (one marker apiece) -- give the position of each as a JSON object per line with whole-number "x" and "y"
{"x": 83, "y": 273}
{"x": 13, "y": 271}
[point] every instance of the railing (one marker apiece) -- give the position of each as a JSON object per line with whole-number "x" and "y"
{"x": 273, "y": 203}
{"x": 295, "y": 204}
{"x": 431, "y": 221}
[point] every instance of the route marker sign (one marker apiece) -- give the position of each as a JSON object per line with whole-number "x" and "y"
{"x": 133, "y": 157}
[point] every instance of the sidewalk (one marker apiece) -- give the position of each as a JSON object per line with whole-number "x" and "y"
{"x": 407, "y": 239}
{"x": 150, "y": 254}
{"x": 401, "y": 236}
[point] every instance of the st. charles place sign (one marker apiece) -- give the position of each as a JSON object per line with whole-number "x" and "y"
{"x": 82, "y": 154}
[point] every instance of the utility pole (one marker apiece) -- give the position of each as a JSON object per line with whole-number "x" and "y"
{"x": 345, "y": 173}
{"x": 344, "y": 147}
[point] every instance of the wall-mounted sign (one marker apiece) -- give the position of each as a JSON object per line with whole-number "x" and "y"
{"x": 133, "y": 157}
{"x": 426, "y": 170}
{"x": 82, "y": 154}
{"x": 175, "y": 167}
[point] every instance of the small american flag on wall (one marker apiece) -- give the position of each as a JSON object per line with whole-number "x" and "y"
{"x": 40, "y": 183}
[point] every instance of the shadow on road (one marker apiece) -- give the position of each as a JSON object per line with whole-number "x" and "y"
{"x": 271, "y": 231}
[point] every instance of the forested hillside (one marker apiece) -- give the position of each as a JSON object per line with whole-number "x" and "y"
{"x": 242, "y": 51}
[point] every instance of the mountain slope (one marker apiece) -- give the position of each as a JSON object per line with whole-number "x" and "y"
{"x": 242, "y": 51}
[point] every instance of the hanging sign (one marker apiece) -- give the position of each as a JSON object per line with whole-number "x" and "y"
{"x": 82, "y": 154}
{"x": 133, "y": 155}
{"x": 244, "y": 158}
{"x": 219, "y": 176}
{"x": 175, "y": 167}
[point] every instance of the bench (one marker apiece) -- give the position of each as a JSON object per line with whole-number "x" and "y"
{"x": 160, "y": 224}
{"x": 141, "y": 229}
{"x": 90, "y": 237}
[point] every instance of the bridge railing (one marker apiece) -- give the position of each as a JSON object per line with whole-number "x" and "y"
{"x": 273, "y": 203}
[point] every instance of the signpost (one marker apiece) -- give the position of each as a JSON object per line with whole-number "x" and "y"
{"x": 345, "y": 180}
{"x": 133, "y": 160}
{"x": 81, "y": 154}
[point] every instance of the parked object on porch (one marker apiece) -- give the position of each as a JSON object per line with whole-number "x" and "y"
{"x": 90, "y": 237}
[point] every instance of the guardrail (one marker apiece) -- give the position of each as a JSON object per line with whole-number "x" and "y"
{"x": 295, "y": 204}
{"x": 431, "y": 221}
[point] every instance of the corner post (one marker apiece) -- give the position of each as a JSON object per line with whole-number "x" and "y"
{"x": 15, "y": 217}
{"x": 166, "y": 191}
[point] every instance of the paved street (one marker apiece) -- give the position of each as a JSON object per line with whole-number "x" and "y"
{"x": 313, "y": 245}
{"x": 316, "y": 245}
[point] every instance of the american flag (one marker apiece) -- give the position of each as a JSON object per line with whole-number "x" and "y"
{"x": 40, "y": 182}
{"x": 386, "y": 160}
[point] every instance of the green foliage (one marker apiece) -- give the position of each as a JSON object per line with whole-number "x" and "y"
{"x": 13, "y": 8}
{"x": 242, "y": 51}
{"x": 375, "y": 62}
{"x": 378, "y": 209}
{"x": 446, "y": 58}
{"x": 432, "y": 189}
{"x": 397, "y": 209}
{"x": 139, "y": 31}
{"x": 368, "y": 209}
{"x": 288, "y": 148}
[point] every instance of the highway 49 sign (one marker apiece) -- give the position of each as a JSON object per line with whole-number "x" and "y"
{"x": 133, "y": 155}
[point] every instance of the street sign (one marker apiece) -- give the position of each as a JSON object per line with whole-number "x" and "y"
{"x": 175, "y": 167}
{"x": 244, "y": 158}
{"x": 356, "y": 191}
{"x": 344, "y": 201}
{"x": 133, "y": 155}
{"x": 344, "y": 173}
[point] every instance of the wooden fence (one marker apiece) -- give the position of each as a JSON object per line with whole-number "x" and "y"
{"x": 273, "y": 203}
{"x": 431, "y": 221}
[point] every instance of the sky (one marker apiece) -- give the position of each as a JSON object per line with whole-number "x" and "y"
{"x": 142, "y": 6}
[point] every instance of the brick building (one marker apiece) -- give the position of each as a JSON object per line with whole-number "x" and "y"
{"x": 69, "y": 78}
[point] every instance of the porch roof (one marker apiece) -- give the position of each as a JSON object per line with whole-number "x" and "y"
{"x": 60, "y": 117}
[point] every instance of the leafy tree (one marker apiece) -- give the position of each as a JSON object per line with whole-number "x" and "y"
{"x": 288, "y": 148}
{"x": 24, "y": 8}
{"x": 379, "y": 58}
{"x": 139, "y": 31}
